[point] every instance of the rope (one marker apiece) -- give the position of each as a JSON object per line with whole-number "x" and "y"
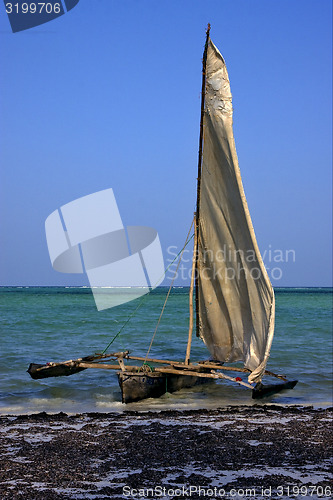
{"x": 188, "y": 239}
{"x": 144, "y": 297}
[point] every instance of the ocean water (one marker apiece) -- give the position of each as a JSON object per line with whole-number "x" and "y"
{"x": 42, "y": 324}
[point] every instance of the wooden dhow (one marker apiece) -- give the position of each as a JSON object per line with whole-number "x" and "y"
{"x": 234, "y": 299}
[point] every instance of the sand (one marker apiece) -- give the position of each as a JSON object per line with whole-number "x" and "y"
{"x": 235, "y": 452}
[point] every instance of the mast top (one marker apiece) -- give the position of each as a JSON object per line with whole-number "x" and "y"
{"x": 208, "y": 29}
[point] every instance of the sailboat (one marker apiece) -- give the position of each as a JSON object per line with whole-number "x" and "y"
{"x": 234, "y": 299}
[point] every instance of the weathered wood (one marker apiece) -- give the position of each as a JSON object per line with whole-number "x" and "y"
{"x": 103, "y": 366}
{"x": 190, "y": 326}
{"x": 262, "y": 391}
{"x": 138, "y": 386}
{"x": 38, "y": 371}
{"x": 271, "y": 374}
{"x": 204, "y": 375}
{"x": 205, "y": 364}
{"x": 122, "y": 364}
{"x": 236, "y": 369}
{"x": 213, "y": 366}
{"x": 183, "y": 370}
{"x": 153, "y": 360}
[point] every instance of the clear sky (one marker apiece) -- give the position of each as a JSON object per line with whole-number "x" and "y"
{"x": 108, "y": 95}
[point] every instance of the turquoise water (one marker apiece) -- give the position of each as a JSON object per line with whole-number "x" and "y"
{"x": 55, "y": 324}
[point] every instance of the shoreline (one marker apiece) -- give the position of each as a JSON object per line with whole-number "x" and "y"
{"x": 265, "y": 449}
{"x": 122, "y": 409}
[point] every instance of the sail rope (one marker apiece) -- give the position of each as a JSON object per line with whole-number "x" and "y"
{"x": 144, "y": 297}
{"x": 188, "y": 239}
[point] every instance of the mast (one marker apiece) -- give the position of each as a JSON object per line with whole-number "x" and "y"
{"x": 194, "y": 274}
{"x": 197, "y": 214}
{"x": 190, "y": 326}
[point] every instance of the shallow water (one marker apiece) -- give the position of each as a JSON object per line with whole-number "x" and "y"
{"x": 40, "y": 324}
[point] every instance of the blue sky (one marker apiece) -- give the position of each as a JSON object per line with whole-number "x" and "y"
{"x": 108, "y": 95}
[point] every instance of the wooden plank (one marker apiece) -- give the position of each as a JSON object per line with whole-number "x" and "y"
{"x": 204, "y": 375}
{"x": 103, "y": 366}
{"x": 138, "y": 386}
{"x": 204, "y": 364}
{"x": 185, "y": 371}
{"x": 91, "y": 363}
{"x": 190, "y": 326}
{"x": 194, "y": 366}
{"x": 37, "y": 371}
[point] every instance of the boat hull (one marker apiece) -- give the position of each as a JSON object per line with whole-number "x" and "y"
{"x": 138, "y": 386}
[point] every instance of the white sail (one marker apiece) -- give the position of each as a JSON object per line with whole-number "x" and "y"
{"x": 236, "y": 305}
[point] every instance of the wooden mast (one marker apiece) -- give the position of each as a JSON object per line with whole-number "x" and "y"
{"x": 194, "y": 274}
{"x": 197, "y": 215}
{"x": 190, "y": 326}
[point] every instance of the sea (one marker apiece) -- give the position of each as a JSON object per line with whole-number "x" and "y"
{"x": 44, "y": 324}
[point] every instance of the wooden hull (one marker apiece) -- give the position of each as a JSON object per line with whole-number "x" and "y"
{"x": 137, "y": 386}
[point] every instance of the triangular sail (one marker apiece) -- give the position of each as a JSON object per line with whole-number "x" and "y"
{"x": 235, "y": 307}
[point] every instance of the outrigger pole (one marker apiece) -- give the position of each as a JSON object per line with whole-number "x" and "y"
{"x": 201, "y": 369}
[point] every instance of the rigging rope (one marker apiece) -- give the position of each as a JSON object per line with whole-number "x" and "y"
{"x": 188, "y": 239}
{"x": 144, "y": 297}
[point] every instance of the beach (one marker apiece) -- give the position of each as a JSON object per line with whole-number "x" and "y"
{"x": 266, "y": 451}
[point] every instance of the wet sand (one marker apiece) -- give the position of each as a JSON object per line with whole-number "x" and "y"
{"x": 236, "y": 452}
